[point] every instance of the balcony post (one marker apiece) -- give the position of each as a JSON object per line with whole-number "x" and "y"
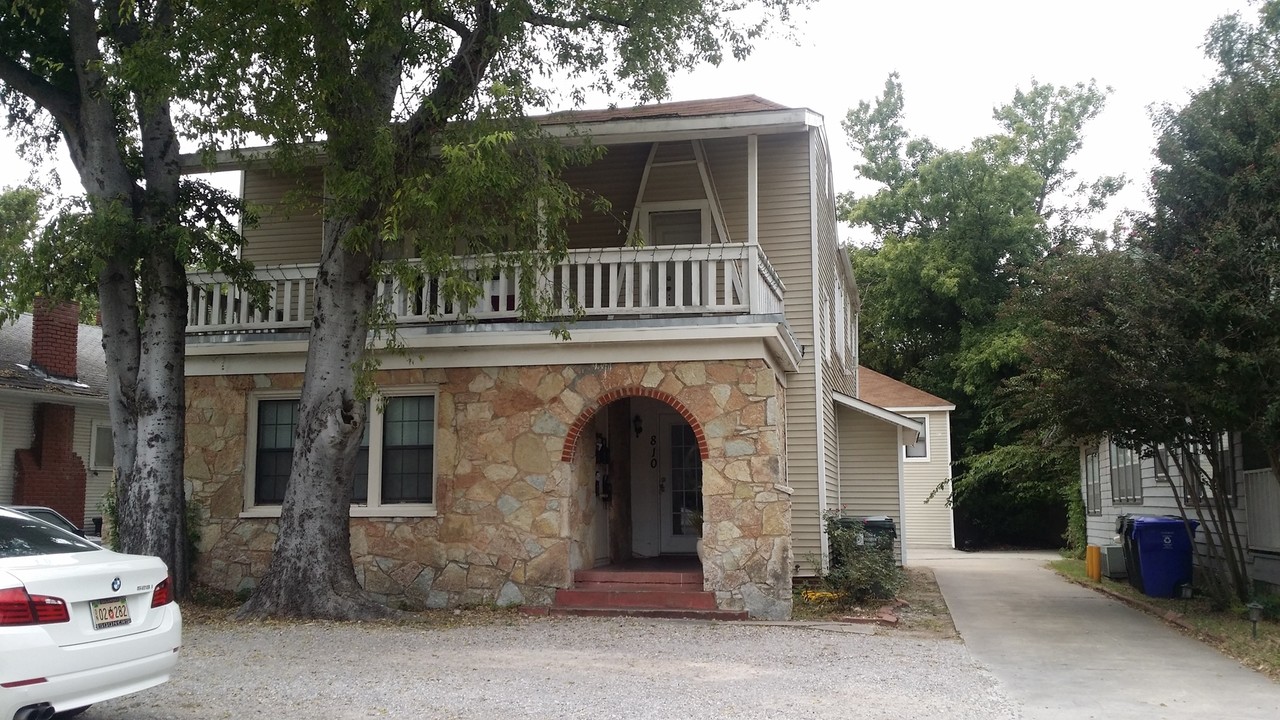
{"x": 754, "y": 297}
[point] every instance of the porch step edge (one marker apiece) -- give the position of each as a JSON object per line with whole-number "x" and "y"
{"x": 671, "y": 577}
{"x": 654, "y": 599}
{"x": 637, "y": 587}
{"x": 662, "y": 613}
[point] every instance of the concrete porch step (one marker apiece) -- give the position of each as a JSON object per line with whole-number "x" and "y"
{"x": 666, "y": 613}
{"x": 644, "y": 577}
{"x": 651, "y": 599}
{"x": 638, "y": 587}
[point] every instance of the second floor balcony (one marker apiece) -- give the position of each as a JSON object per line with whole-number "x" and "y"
{"x": 668, "y": 281}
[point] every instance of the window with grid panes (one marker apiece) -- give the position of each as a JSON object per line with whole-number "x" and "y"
{"x": 1126, "y": 475}
{"x": 398, "y": 447}
{"x": 1092, "y": 484}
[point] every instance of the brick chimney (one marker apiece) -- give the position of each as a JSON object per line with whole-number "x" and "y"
{"x": 54, "y": 325}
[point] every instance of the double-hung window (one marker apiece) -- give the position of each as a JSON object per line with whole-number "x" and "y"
{"x": 1092, "y": 484}
{"x": 919, "y": 450}
{"x": 1126, "y": 475}
{"x": 395, "y": 465}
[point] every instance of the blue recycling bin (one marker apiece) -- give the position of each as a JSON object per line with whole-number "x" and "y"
{"x": 1163, "y": 548}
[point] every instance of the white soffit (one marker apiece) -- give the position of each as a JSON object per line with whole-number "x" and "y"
{"x": 879, "y": 413}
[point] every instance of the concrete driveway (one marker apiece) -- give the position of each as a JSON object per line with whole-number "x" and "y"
{"x": 1063, "y": 651}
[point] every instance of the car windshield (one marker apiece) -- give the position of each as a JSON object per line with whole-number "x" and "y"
{"x": 23, "y": 537}
{"x": 50, "y": 517}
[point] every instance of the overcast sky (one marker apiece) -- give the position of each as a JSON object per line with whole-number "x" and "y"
{"x": 960, "y": 59}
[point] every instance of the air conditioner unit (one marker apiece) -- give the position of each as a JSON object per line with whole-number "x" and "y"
{"x": 1113, "y": 562}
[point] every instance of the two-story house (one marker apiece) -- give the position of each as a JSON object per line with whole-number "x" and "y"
{"x": 706, "y": 400}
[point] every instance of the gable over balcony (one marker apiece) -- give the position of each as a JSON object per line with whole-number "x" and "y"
{"x": 701, "y": 195}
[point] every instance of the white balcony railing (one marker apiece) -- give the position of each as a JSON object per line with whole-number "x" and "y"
{"x": 674, "y": 280}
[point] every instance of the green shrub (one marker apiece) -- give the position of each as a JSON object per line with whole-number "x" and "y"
{"x": 862, "y": 567}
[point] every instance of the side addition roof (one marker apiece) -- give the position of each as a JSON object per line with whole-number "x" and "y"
{"x": 882, "y": 390}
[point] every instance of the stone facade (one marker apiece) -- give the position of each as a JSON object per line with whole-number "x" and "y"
{"x": 515, "y": 504}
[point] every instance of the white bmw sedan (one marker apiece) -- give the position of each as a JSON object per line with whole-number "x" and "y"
{"x": 78, "y": 624}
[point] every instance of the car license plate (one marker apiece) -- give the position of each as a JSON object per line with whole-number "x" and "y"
{"x": 109, "y": 613}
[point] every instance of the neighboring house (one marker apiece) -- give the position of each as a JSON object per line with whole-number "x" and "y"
{"x": 1116, "y": 481}
{"x": 925, "y": 509}
{"x": 55, "y": 434}
{"x": 712, "y": 372}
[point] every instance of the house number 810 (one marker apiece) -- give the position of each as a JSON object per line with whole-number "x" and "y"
{"x": 653, "y": 452}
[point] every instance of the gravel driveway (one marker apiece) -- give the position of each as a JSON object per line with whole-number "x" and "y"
{"x": 564, "y": 668}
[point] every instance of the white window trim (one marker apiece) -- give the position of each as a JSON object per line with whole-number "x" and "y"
{"x": 1092, "y": 477}
{"x": 373, "y": 508}
{"x": 93, "y": 445}
{"x": 1113, "y": 453}
{"x": 708, "y": 223}
{"x": 928, "y": 446}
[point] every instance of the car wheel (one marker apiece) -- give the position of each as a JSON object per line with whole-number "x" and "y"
{"x": 69, "y": 713}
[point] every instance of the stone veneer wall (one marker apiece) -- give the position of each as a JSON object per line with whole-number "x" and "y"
{"x": 513, "y": 516}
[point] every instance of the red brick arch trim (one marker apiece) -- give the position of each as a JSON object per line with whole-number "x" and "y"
{"x": 584, "y": 417}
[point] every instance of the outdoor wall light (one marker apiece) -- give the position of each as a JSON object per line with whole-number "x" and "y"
{"x": 637, "y": 425}
{"x": 1255, "y": 614}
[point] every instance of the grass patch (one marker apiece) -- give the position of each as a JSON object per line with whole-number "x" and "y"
{"x": 1228, "y": 630}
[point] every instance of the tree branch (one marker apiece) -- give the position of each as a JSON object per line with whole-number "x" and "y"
{"x": 60, "y": 103}
{"x": 542, "y": 20}
{"x": 460, "y": 79}
{"x": 439, "y": 16}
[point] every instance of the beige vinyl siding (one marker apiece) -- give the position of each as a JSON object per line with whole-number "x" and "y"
{"x": 96, "y": 482}
{"x": 674, "y": 182}
{"x": 289, "y": 229}
{"x": 831, "y": 292}
{"x": 929, "y": 518}
{"x": 726, "y": 160}
{"x": 678, "y": 151}
{"x": 615, "y": 178}
{"x": 16, "y": 428}
{"x": 869, "y": 468}
{"x": 786, "y": 239}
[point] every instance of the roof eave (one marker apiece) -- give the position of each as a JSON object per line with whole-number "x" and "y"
{"x": 603, "y": 132}
{"x": 879, "y": 413}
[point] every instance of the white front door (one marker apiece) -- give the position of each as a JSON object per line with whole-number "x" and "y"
{"x": 679, "y": 483}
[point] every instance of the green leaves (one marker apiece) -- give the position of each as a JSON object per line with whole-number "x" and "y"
{"x": 959, "y": 235}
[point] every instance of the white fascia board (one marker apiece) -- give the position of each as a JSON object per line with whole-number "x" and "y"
{"x": 604, "y": 132}
{"x": 880, "y": 413}
{"x": 922, "y": 408}
{"x": 769, "y": 122}
{"x": 520, "y": 347}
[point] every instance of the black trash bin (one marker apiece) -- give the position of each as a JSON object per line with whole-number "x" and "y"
{"x": 879, "y": 530}
{"x": 1132, "y": 560}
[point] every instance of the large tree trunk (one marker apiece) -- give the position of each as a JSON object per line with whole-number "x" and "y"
{"x": 143, "y": 338}
{"x": 311, "y": 572}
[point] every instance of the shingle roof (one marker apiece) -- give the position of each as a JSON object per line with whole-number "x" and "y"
{"x": 688, "y": 108}
{"x": 888, "y": 393}
{"x": 16, "y": 371}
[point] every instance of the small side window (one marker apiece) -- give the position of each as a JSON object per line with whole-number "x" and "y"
{"x": 102, "y": 454}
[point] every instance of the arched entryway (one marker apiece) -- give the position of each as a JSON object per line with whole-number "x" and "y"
{"x": 649, "y": 455}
